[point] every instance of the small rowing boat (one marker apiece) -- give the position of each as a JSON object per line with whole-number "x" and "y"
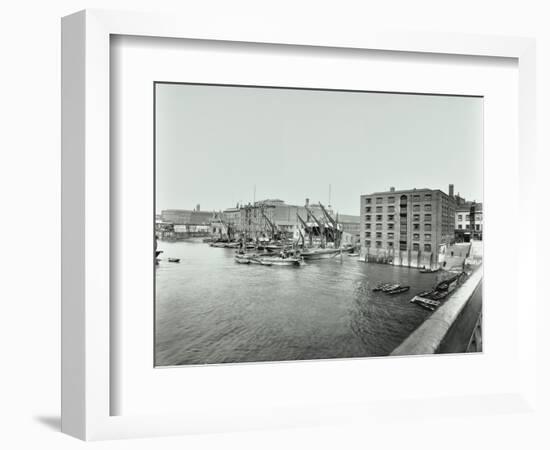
{"x": 279, "y": 261}
{"x": 250, "y": 257}
{"x": 399, "y": 290}
{"x": 320, "y": 253}
{"x": 381, "y": 287}
{"x": 391, "y": 287}
{"x": 425, "y": 303}
{"x": 174, "y": 260}
{"x": 217, "y": 244}
{"x": 247, "y": 260}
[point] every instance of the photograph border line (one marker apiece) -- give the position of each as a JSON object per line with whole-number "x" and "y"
{"x": 251, "y": 86}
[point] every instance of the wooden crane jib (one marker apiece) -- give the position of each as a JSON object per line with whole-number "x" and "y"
{"x": 320, "y": 225}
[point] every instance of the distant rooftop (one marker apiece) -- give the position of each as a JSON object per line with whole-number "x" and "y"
{"x": 466, "y": 206}
{"x": 406, "y": 191}
{"x": 177, "y": 211}
{"x": 271, "y": 201}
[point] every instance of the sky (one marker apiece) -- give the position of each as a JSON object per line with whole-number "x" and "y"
{"x": 215, "y": 145}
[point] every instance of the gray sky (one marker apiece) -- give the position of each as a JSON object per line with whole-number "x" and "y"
{"x": 213, "y": 144}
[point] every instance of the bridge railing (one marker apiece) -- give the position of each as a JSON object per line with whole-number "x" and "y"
{"x": 455, "y": 327}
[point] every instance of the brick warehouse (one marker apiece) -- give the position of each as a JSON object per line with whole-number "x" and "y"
{"x": 407, "y": 227}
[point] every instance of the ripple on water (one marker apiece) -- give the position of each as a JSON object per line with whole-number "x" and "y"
{"x": 211, "y": 310}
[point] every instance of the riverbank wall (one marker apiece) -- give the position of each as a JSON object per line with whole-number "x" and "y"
{"x": 404, "y": 258}
{"x": 453, "y": 256}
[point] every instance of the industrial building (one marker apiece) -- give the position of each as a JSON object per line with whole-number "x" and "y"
{"x": 275, "y": 216}
{"x": 410, "y": 227}
{"x": 469, "y": 221}
{"x": 187, "y": 216}
{"x": 180, "y": 223}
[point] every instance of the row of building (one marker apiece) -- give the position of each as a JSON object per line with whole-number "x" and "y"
{"x": 412, "y": 227}
{"x": 262, "y": 217}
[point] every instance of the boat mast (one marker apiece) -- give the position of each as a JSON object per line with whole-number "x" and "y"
{"x": 333, "y": 223}
{"x": 302, "y": 237}
{"x": 306, "y": 228}
{"x": 272, "y": 226}
{"x": 225, "y": 226}
{"x": 320, "y": 225}
{"x": 339, "y": 233}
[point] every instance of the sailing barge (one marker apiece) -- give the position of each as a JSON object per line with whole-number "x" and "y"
{"x": 320, "y": 253}
{"x": 327, "y": 230}
{"x": 268, "y": 245}
{"x": 432, "y": 299}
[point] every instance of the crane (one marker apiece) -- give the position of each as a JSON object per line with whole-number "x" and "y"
{"x": 334, "y": 224}
{"x": 227, "y": 228}
{"x": 320, "y": 225}
{"x": 306, "y": 227}
{"x": 270, "y": 223}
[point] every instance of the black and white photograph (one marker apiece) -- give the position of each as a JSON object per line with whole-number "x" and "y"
{"x": 304, "y": 224}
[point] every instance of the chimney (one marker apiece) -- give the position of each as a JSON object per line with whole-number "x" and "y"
{"x": 392, "y": 189}
{"x": 451, "y": 190}
{"x": 307, "y": 201}
{"x": 198, "y": 208}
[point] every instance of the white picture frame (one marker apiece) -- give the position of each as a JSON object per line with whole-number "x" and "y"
{"x": 86, "y": 244}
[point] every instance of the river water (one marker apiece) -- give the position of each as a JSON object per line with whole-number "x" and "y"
{"x": 211, "y": 310}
